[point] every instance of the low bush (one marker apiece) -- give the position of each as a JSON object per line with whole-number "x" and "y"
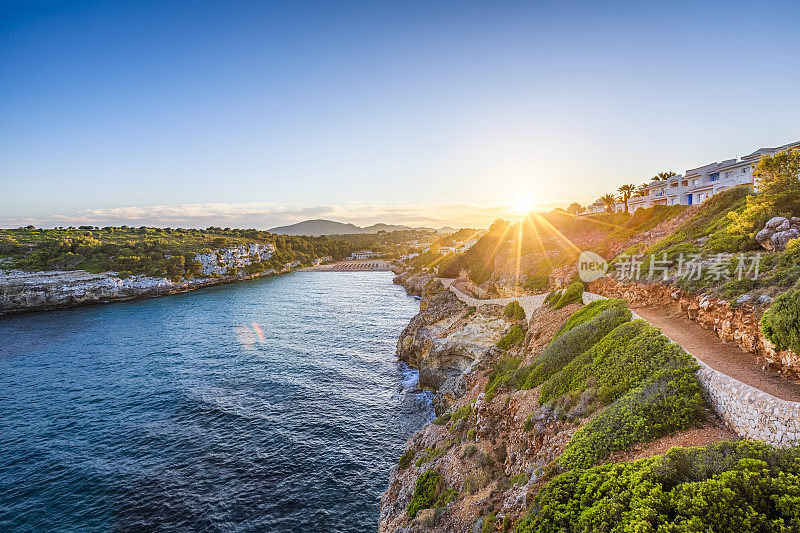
{"x": 723, "y": 487}
{"x": 425, "y": 491}
{"x": 588, "y": 312}
{"x": 617, "y": 362}
{"x": 552, "y": 297}
{"x": 668, "y": 401}
{"x": 501, "y": 374}
{"x": 781, "y": 322}
{"x": 405, "y": 459}
{"x": 515, "y": 311}
{"x": 572, "y": 294}
{"x": 571, "y": 344}
{"x": 429, "y": 454}
{"x": 514, "y": 336}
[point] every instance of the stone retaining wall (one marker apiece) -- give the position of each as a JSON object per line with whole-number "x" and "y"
{"x": 748, "y": 411}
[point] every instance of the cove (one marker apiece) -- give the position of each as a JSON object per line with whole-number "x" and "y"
{"x": 275, "y": 404}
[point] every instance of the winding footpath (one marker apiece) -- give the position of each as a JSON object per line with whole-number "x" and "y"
{"x": 528, "y": 303}
{"x": 755, "y": 404}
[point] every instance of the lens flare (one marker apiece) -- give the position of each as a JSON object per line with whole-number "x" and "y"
{"x": 259, "y": 333}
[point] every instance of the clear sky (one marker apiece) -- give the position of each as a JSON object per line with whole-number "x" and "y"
{"x": 262, "y": 113}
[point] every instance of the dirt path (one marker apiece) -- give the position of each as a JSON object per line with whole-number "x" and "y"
{"x": 720, "y": 355}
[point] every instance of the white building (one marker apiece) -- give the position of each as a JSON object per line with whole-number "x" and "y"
{"x": 701, "y": 183}
{"x": 363, "y": 254}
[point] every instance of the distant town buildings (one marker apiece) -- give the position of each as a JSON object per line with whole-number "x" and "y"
{"x": 696, "y": 185}
{"x": 364, "y": 254}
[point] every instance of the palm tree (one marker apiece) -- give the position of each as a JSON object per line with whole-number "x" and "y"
{"x": 609, "y": 200}
{"x": 664, "y": 176}
{"x": 626, "y": 191}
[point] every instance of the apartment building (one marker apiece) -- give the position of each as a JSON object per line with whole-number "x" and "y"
{"x": 699, "y": 184}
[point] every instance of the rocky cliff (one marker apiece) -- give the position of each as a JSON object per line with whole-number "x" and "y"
{"x": 31, "y": 291}
{"x": 483, "y": 448}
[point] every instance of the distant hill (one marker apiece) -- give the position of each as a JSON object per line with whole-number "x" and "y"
{"x": 318, "y": 227}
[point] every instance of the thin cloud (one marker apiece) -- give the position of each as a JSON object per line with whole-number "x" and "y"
{"x": 265, "y": 215}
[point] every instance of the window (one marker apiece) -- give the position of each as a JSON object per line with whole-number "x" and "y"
{"x": 727, "y": 175}
{"x": 744, "y": 170}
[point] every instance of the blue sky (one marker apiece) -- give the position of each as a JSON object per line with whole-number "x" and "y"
{"x": 265, "y": 113}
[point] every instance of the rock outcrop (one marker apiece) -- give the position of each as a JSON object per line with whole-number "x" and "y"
{"x": 220, "y": 262}
{"x": 493, "y": 456}
{"x": 778, "y": 232}
{"x": 33, "y": 291}
{"x": 446, "y": 339}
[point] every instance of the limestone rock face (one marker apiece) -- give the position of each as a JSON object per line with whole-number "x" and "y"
{"x": 777, "y": 232}
{"x": 31, "y": 291}
{"x": 445, "y": 340}
{"x": 218, "y": 262}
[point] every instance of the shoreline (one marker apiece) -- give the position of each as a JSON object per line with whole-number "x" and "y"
{"x": 78, "y": 288}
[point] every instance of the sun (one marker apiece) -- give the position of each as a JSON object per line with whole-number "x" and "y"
{"x": 521, "y": 205}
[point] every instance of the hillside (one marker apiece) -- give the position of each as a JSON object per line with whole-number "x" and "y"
{"x": 576, "y": 418}
{"x": 315, "y": 228}
{"x": 157, "y": 252}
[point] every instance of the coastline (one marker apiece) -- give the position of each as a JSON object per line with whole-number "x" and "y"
{"x": 25, "y": 292}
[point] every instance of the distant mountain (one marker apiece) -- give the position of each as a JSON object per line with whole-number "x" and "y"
{"x": 318, "y": 227}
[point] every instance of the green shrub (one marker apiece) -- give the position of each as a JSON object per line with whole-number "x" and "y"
{"x": 502, "y": 372}
{"x": 668, "y": 401}
{"x": 588, "y": 312}
{"x": 425, "y": 491}
{"x": 514, "y": 336}
{"x": 617, "y": 362}
{"x": 442, "y": 420}
{"x": 781, "y": 322}
{"x": 405, "y": 459}
{"x": 572, "y": 294}
{"x": 571, "y": 344}
{"x": 552, "y": 297}
{"x": 429, "y": 454}
{"x": 724, "y": 487}
{"x": 514, "y": 310}
{"x": 463, "y": 412}
{"x": 488, "y": 523}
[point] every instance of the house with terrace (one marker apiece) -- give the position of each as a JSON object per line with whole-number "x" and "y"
{"x": 699, "y": 184}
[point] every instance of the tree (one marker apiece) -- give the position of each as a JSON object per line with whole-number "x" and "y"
{"x": 574, "y": 208}
{"x": 664, "y": 176}
{"x": 609, "y": 201}
{"x": 626, "y": 191}
{"x": 778, "y": 178}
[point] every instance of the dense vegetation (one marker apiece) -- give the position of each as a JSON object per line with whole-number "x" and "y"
{"x": 572, "y": 294}
{"x": 514, "y": 336}
{"x": 425, "y": 492}
{"x": 781, "y": 322}
{"x": 724, "y": 487}
{"x": 160, "y": 252}
{"x": 508, "y": 374}
{"x": 514, "y": 310}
